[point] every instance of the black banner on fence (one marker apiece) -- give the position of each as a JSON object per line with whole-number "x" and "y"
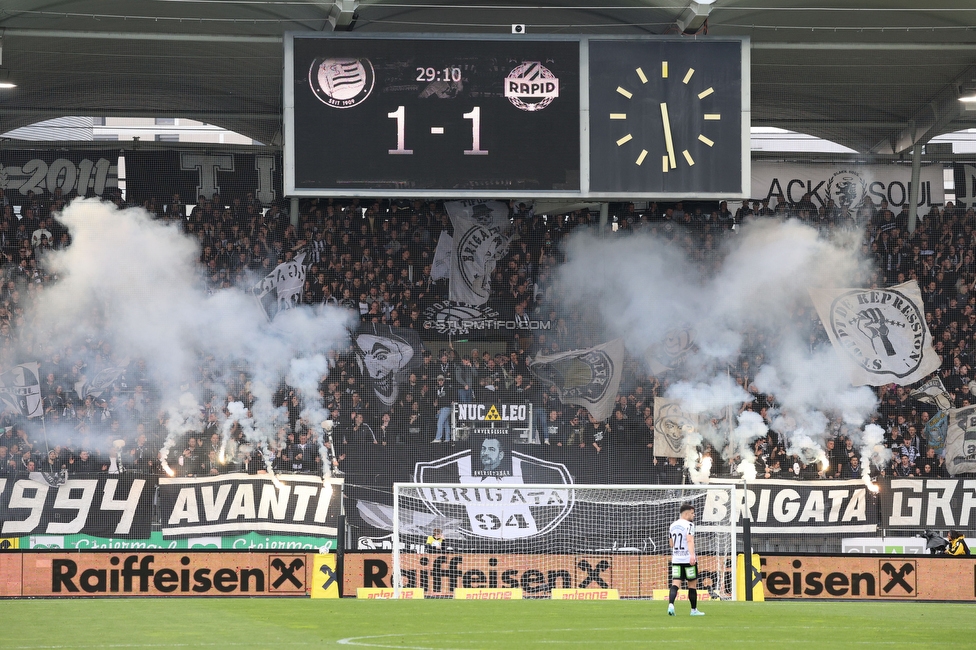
{"x": 26, "y": 171}
{"x": 104, "y": 506}
{"x": 161, "y": 174}
{"x": 802, "y": 507}
{"x": 930, "y": 503}
{"x": 290, "y": 504}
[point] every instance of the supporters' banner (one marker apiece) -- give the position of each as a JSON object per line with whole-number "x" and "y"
{"x": 960, "y": 441}
{"x": 240, "y": 503}
{"x": 942, "y": 504}
{"x": 964, "y": 175}
{"x": 387, "y": 355}
{"x": 588, "y": 378}
{"x": 936, "y": 429}
{"x": 670, "y": 353}
{"x": 880, "y": 333}
{"x": 848, "y": 185}
{"x": 118, "y": 507}
{"x": 781, "y": 507}
{"x": 20, "y": 389}
{"x": 933, "y": 392}
{"x": 480, "y": 240}
{"x": 282, "y": 288}
{"x": 102, "y": 381}
{"x": 90, "y": 173}
{"x": 441, "y": 266}
{"x": 671, "y": 423}
{"x": 161, "y": 174}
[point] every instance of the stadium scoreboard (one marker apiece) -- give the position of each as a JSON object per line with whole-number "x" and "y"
{"x": 562, "y": 117}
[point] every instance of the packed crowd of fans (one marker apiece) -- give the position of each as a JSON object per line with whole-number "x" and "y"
{"x": 375, "y": 258}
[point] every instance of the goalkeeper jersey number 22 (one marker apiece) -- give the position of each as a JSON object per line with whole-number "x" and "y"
{"x": 680, "y": 532}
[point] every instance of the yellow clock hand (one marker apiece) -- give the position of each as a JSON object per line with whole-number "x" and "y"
{"x": 667, "y": 135}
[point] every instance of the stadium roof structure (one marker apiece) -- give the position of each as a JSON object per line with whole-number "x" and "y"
{"x": 873, "y": 75}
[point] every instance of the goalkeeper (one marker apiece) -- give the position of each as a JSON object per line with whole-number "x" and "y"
{"x": 684, "y": 561}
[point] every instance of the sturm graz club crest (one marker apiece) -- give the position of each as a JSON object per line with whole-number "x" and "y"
{"x": 883, "y": 330}
{"x": 847, "y": 189}
{"x": 448, "y": 317}
{"x": 341, "y": 83}
{"x": 583, "y": 377}
{"x": 486, "y": 506}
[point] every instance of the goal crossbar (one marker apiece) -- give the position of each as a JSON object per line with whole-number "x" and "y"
{"x": 716, "y": 504}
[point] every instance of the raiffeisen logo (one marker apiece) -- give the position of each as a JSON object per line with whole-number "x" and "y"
{"x": 531, "y": 86}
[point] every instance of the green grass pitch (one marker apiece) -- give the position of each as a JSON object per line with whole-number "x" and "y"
{"x": 460, "y": 625}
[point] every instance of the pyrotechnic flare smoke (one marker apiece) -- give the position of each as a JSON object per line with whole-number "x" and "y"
{"x": 873, "y": 452}
{"x": 643, "y": 288}
{"x": 134, "y": 283}
{"x": 750, "y": 428}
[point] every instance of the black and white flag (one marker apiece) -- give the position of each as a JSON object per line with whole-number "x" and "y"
{"x": 440, "y": 268}
{"x": 102, "y": 381}
{"x": 933, "y": 392}
{"x": 880, "y": 333}
{"x": 481, "y": 238}
{"x": 589, "y": 378}
{"x": 20, "y": 389}
{"x": 387, "y": 355}
{"x": 282, "y": 288}
{"x": 960, "y": 444}
{"x": 671, "y": 424}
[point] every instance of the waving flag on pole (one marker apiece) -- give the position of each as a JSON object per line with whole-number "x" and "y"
{"x": 588, "y": 378}
{"x": 282, "y": 288}
{"x": 20, "y": 389}
{"x": 880, "y": 333}
{"x": 481, "y": 237}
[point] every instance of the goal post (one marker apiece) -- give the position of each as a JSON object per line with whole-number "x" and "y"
{"x": 544, "y": 537}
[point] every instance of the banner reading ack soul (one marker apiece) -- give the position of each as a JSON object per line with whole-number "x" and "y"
{"x": 233, "y": 503}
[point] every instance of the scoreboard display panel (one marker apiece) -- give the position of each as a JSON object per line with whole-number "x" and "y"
{"x": 435, "y": 115}
{"x": 456, "y": 116}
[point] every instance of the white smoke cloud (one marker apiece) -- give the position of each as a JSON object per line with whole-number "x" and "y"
{"x": 135, "y": 283}
{"x": 642, "y": 287}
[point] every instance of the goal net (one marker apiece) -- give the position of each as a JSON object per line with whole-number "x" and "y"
{"x": 541, "y": 538}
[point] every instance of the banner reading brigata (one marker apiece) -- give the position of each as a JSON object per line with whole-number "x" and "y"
{"x": 797, "y": 507}
{"x": 846, "y": 185}
{"x": 234, "y": 503}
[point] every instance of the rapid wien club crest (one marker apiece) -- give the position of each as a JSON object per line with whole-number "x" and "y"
{"x": 882, "y": 330}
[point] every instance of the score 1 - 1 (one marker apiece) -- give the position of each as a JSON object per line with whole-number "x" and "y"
{"x": 400, "y": 115}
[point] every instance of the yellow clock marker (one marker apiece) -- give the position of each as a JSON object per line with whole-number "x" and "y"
{"x": 688, "y": 74}
{"x": 625, "y": 139}
{"x": 666, "y": 164}
{"x": 705, "y": 140}
{"x": 705, "y": 93}
{"x": 688, "y": 157}
{"x": 623, "y": 91}
{"x": 618, "y": 116}
{"x": 664, "y": 69}
{"x": 713, "y": 116}
{"x": 640, "y": 158}
{"x": 643, "y": 77}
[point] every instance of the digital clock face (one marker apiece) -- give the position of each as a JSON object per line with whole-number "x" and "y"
{"x": 451, "y": 117}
